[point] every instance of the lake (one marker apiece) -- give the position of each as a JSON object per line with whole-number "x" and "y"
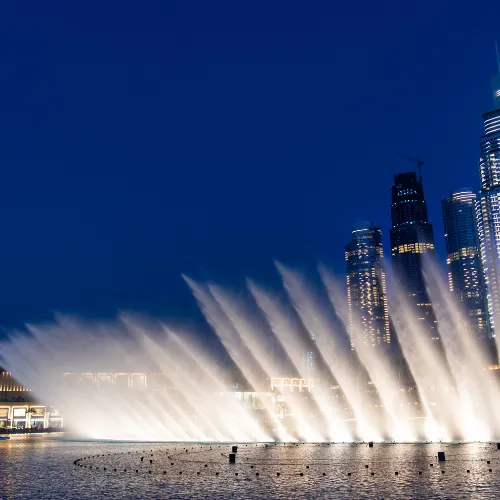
{"x": 43, "y": 467}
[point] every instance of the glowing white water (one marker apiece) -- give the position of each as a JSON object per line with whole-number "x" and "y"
{"x": 356, "y": 395}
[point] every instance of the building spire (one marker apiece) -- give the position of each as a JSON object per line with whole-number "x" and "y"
{"x": 498, "y": 56}
{"x": 495, "y": 80}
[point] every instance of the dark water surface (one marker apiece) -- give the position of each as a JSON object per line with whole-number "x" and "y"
{"x": 42, "y": 467}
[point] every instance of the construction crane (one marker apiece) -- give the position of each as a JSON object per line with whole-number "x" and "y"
{"x": 417, "y": 160}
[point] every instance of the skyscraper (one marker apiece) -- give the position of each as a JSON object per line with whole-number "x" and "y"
{"x": 465, "y": 270}
{"x": 412, "y": 238}
{"x": 488, "y": 203}
{"x": 366, "y": 290}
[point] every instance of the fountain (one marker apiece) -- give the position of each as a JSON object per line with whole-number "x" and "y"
{"x": 126, "y": 381}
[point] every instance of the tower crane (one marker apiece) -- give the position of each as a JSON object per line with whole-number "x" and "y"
{"x": 417, "y": 160}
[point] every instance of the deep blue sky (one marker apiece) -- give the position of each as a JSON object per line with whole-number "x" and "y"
{"x": 142, "y": 140}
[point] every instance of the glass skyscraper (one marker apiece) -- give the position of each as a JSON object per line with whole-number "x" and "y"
{"x": 412, "y": 237}
{"x": 366, "y": 289}
{"x": 465, "y": 270}
{"x": 488, "y": 204}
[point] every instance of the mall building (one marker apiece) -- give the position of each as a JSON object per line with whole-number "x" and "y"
{"x": 20, "y": 410}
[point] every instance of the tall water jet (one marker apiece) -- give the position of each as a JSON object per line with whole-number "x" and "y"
{"x": 129, "y": 379}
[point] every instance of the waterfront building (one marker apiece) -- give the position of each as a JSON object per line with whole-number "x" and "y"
{"x": 33, "y": 416}
{"x": 412, "y": 238}
{"x": 292, "y": 384}
{"x": 465, "y": 270}
{"x": 366, "y": 287}
{"x": 488, "y": 203}
{"x": 20, "y": 409}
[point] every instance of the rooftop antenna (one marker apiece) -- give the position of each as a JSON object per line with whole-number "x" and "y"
{"x": 498, "y": 56}
{"x": 417, "y": 160}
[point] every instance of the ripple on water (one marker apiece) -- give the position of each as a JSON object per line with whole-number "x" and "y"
{"x": 43, "y": 467}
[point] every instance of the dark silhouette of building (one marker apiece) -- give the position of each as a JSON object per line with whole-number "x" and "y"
{"x": 465, "y": 270}
{"x": 488, "y": 204}
{"x": 366, "y": 289}
{"x": 411, "y": 239}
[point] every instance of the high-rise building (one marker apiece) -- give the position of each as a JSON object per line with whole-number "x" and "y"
{"x": 366, "y": 289}
{"x": 465, "y": 270}
{"x": 488, "y": 204}
{"x": 412, "y": 238}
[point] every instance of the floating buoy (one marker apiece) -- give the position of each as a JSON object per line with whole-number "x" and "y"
{"x": 277, "y": 474}
{"x": 442, "y": 472}
{"x": 488, "y": 462}
{"x": 235, "y": 473}
{"x": 373, "y": 473}
{"x": 366, "y": 466}
{"x": 396, "y": 473}
{"x": 370, "y": 444}
{"x": 468, "y": 470}
{"x": 441, "y": 456}
{"x": 256, "y": 473}
{"x": 348, "y": 473}
{"x": 420, "y": 472}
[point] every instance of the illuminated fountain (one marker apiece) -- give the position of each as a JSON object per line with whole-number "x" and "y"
{"x": 132, "y": 381}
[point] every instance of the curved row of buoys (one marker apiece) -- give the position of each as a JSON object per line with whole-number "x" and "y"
{"x": 232, "y": 459}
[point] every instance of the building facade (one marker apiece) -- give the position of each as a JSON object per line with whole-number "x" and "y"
{"x": 488, "y": 205}
{"x": 20, "y": 410}
{"x": 465, "y": 270}
{"x": 412, "y": 238}
{"x": 366, "y": 287}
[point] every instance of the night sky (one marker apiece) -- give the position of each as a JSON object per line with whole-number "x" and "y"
{"x": 142, "y": 140}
